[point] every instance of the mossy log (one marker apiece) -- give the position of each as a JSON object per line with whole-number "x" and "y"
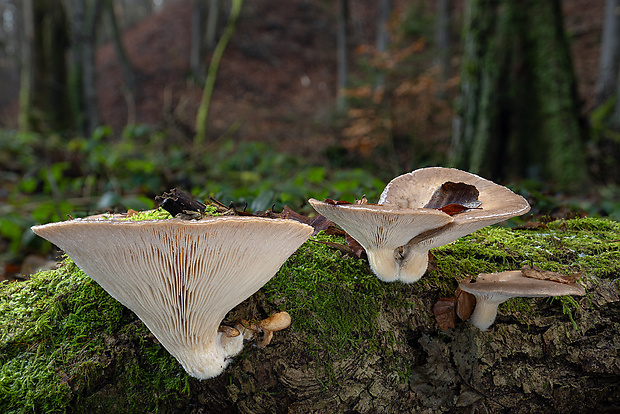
{"x": 356, "y": 344}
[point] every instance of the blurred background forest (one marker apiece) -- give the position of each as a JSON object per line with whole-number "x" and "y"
{"x": 105, "y": 104}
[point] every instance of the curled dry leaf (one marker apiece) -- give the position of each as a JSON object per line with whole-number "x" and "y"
{"x": 358, "y": 250}
{"x": 445, "y": 314}
{"x": 453, "y": 209}
{"x": 465, "y": 304}
{"x": 334, "y": 202}
{"x": 537, "y": 273}
{"x": 453, "y": 198}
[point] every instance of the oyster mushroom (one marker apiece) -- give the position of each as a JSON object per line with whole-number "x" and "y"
{"x": 407, "y": 222}
{"x": 493, "y": 289}
{"x": 181, "y": 277}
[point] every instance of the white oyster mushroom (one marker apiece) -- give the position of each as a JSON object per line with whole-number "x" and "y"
{"x": 399, "y": 231}
{"x": 182, "y": 277}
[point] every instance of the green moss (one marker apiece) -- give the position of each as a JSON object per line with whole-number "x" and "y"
{"x": 59, "y": 333}
{"x": 66, "y": 345}
{"x": 157, "y": 214}
{"x": 333, "y": 298}
{"x": 581, "y": 245}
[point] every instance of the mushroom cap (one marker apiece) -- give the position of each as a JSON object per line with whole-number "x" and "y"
{"x": 380, "y": 229}
{"x": 415, "y": 189}
{"x": 276, "y": 322}
{"x": 181, "y": 277}
{"x": 512, "y": 283}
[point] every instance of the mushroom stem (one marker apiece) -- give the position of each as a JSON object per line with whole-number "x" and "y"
{"x": 413, "y": 265}
{"x": 485, "y": 311}
{"x": 231, "y": 345}
{"x": 383, "y": 263}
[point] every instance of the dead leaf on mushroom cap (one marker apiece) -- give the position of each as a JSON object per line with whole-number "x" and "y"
{"x": 453, "y": 198}
{"x": 537, "y": 273}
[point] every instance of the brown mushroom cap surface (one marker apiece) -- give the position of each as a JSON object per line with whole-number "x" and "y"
{"x": 492, "y": 289}
{"x": 512, "y": 283}
{"x": 181, "y": 277}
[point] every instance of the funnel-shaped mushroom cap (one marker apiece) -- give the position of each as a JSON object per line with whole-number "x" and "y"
{"x": 382, "y": 230}
{"x": 181, "y": 277}
{"x": 415, "y": 190}
{"x": 492, "y": 289}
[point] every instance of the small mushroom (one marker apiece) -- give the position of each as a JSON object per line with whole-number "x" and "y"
{"x": 182, "y": 277}
{"x": 492, "y": 289}
{"x": 398, "y": 232}
{"x": 274, "y": 323}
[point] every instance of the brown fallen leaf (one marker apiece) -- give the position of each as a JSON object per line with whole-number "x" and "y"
{"x": 462, "y": 194}
{"x": 453, "y": 209}
{"x": 334, "y": 202}
{"x": 465, "y": 304}
{"x": 289, "y": 213}
{"x": 444, "y": 311}
{"x": 537, "y": 273}
{"x": 357, "y": 248}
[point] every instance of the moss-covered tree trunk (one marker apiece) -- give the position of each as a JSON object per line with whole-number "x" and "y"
{"x": 519, "y": 111}
{"x": 356, "y": 344}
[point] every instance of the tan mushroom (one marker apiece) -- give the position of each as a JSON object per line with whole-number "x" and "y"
{"x": 493, "y": 289}
{"x": 382, "y": 230}
{"x": 182, "y": 277}
{"x": 399, "y": 251}
{"x": 268, "y": 326}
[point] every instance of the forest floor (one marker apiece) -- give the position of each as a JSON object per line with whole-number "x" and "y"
{"x": 277, "y": 80}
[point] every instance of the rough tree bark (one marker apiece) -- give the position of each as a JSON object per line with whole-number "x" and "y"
{"x": 519, "y": 115}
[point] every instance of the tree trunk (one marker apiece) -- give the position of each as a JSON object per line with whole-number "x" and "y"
{"x": 197, "y": 47}
{"x": 609, "y": 61}
{"x": 44, "y": 98}
{"x": 443, "y": 43}
{"x": 356, "y": 344}
{"x": 519, "y": 113}
{"x": 84, "y": 19}
{"x": 127, "y": 69}
{"x": 91, "y": 102}
{"x": 342, "y": 37}
{"x": 383, "y": 36}
{"x": 212, "y": 24}
{"x": 205, "y": 104}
